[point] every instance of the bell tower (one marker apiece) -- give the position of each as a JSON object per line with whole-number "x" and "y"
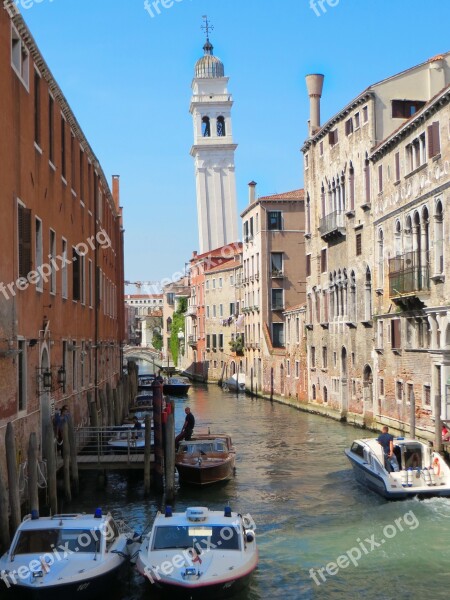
{"x": 213, "y": 152}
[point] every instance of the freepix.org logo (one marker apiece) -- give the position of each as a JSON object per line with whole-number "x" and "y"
{"x": 319, "y": 8}
{"x": 153, "y": 7}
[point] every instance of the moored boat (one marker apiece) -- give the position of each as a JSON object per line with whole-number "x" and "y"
{"x": 176, "y": 386}
{"x": 235, "y": 383}
{"x": 64, "y": 556}
{"x": 422, "y": 471}
{"x": 199, "y": 553}
{"x": 206, "y": 459}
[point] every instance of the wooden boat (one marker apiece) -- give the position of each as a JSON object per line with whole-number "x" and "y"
{"x": 64, "y": 556}
{"x": 208, "y": 554}
{"x": 205, "y": 459}
{"x": 422, "y": 471}
{"x": 176, "y": 386}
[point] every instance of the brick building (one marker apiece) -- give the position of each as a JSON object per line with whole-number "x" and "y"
{"x": 61, "y": 238}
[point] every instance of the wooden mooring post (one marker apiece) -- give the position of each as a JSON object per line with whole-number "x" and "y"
{"x": 50, "y": 456}
{"x": 73, "y": 457}
{"x": 32, "y": 468}
{"x": 66, "y": 461}
{"x": 157, "y": 434}
{"x": 5, "y": 538}
{"x": 147, "y": 454}
{"x": 13, "y": 479}
{"x": 169, "y": 458}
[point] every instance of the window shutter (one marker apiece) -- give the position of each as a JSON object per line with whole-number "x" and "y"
{"x": 367, "y": 182}
{"x": 397, "y": 166}
{"x": 395, "y": 334}
{"x": 24, "y": 218}
{"x": 434, "y": 146}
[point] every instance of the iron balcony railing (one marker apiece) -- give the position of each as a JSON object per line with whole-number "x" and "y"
{"x": 332, "y": 224}
{"x": 407, "y": 275}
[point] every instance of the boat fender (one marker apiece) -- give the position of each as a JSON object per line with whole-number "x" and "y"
{"x": 404, "y": 478}
{"x": 436, "y": 466}
{"x": 410, "y": 477}
{"x": 250, "y": 536}
{"x": 426, "y": 476}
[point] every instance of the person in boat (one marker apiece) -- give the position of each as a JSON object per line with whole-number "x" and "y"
{"x": 137, "y": 423}
{"x": 386, "y": 440}
{"x": 187, "y": 429}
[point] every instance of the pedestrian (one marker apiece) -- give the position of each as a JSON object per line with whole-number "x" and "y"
{"x": 187, "y": 429}
{"x": 386, "y": 440}
{"x": 58, "y": 425}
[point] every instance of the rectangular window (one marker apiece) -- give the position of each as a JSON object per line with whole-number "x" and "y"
{"x": 357, "y": 120}
{"x": 396, "y": 342}
{"x": 297, "y": 369}
{"x": 321, "y": 149}
{"x": 220, "y": 341}
{"x": 214, "y": 310}
{"x": 274, "y": 221}
{"x": 427, "y": 395}
{"x": 74, "y": 367}
{"x": 37, "y": 108}
{"x": 358, "y": 239}
{"x": 24, "y": 239}
{"x": 208, "y": 341}
{"x": 323, "y": 260}
{"x": 308, "y": 265}
{"x": 333, "y": 137}
{"x": 349, "y": 126}
{"x": 207, "y": 312}
{"x": 22, "y": 375}
{"x": 403, "y": 109}
{"x": 38, "y": 253}
{"x": 51, "y": 130}
{"x": 278, "y": 335}
{"x": 365, "y": 112}
{"x": 64, "y": 290}
{"x": 81, "y": 188}
{"x": 313, "y": 357}
{"x": 380, "y": 334}
{"x": 63, "y": 147}
{"x": 52, "y": 261}
{"x": 214, "y": 341}
{"x": 324, "y": 357}
{"x": 20, "y": 57}
{"x": 82, "y": 260}
{"x": 397, "y": 166}
{"x": 220, "y": 310}
{"x": 72, "y": 160}
{"x": 76, "y": 276}
{"x": 288, "y": 368}
{"x": 380, "y": 178}
{"x": 381, "y": 386}
{"x": 277, "y": 299}
{"x": 399, "y": 390}
{"x": 276, "y": 263}
{"x": 90, "y": 283}
{"x": 434, "y": 144}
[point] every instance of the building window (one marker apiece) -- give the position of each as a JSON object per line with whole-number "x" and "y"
{"x": 51, "y": 130}
{"x": 220, "y": 310}
{"x": 323, "y": 260}
{"x": 276, "y": 263}
{"x": 358, "y": 239}
{"x": 416, "y": 153}
{"x": 349, "y": 126}
{"x": 439, "y": 239}
{"x": 52, "y": 257}
{"x": 396, "y": 339}
{"x": 76, "y": 275}
{"x": 333, "y": 137}
{"x": 427, "y": 395}
{"x": 434, "y": 144}
{"x": 325, "y": 357}
{"x": 278, "y": 335}
{"x": 64, "y": 291}
{"x": 399, "y": 390}
{"x": 74, "y": 367}
{"x": 321, "y": 149}
{"x": 380, "y": 259}
{"x": 221, "y": 127}
{"x": 325, "y": 394}
{"x": 39, "y": 256}
{"x": 90, "y": 283}
{"x": 22, "y": 375}
{"x": 352, "y": 299}
{"x": 24, "y": 239}
{"x": 380, "y": 334}
{"x": 72, "y": 160}
{"x": 365, "y": 112}
{"x": 403, "y": 109}
{"x": 20, "y": 57}
{"x": 208, "y": 341}
{"x": 37, "y": 108}
{"x": 313, "y": 392}
{"x": 381, "y": 380}
{"x": 288, "y": 368}
{"x": 63, "y": 147}
{"x": 206, "y": 127}
{"x": 397, "y": 166}
{"x": 367, "y": 180}
{"x": 368, "y": 296}
{"x": 297, "y": 369}
{"x": 308, "y": 265}
{"x": 277, "y": 299}
{"x": 313, "y": 357}
{"x": 357, "y": 120}
{"x": 274, "y": 221}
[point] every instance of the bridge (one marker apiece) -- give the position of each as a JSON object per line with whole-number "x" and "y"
{"x": 150, "y": 355}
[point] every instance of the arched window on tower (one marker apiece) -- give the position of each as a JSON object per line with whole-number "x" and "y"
{"x": 206, "y": 127}
{"x": 221, "y": 127}
{"x": 439, "y": 239}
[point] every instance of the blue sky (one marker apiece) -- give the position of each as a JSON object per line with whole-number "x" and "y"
{"x": 127, "y": 77}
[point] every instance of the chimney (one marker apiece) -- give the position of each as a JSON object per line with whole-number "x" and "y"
{"x": 251, "y": 192}
{"x": 314, "y": 83}
{"x": 116, "y": 191}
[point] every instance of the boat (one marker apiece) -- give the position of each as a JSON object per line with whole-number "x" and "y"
{"x": 176, "y": 386}
{"x": 128, "y": 438}
{"x": 199, "y": 553}
{"x": 145, "y": 382}
{"x": 65, "y": 556}
{"x": 205, "y": 459}
{"x": 235, "y": 383}
{"x": 422, "y": 471}
{"x": 143, "y": 398}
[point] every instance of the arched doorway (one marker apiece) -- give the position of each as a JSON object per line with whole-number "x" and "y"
{"x": 232, "y": 367}
{"x": 367, "y": 389}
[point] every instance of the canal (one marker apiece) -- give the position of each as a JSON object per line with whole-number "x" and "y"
{"x": 319, "y": 534}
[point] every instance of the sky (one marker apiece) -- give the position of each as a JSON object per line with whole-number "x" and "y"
{"x": 127, "y": 76}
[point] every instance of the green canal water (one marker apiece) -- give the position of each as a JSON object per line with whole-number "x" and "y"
{"x": 320, "y": 535}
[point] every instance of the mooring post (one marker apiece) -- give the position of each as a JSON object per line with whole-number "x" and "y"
{"x": 32, "y": 468}
{"x": 5, "y": 538}
{"x": 66, "y": 461}
{"x": 437, "y": 423}
{"x": 104, "y": 408}
{"x": 147, "y": 454}
{"x": 157, "y": 434}
{"x": 412, "y": 414}
{"x": 169, "y": 459}
{"x": 50, "y": 455}
{"x": 13, "y": 480}
{"x": 117, "y": 414}
{"x": 93, "y": 413}
{"x": 73, "y": 456}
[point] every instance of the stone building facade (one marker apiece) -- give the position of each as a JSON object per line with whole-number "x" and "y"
{"x": 296, "y": 380}
{"x": 344, "y": 184}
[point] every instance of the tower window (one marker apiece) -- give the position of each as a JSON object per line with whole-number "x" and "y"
{"x": 206, "y": 127}
{"x": 221, "y": 127}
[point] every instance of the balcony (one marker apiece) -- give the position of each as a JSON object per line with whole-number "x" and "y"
{"x": 192, "y": 341}
{"x": 332, "y": 225}
{"x": 277, "y": 274}
{"x": 407, "y": 278}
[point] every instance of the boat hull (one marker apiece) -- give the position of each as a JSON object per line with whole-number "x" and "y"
{"x": 176, "y": 389}
{"x": 204, "y": 474}
{"x": 375, "y": 482}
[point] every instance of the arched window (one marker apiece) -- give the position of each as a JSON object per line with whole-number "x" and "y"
{"x": 325, "y": 394}
{"x": 331, "y": 297}
{"x": 380, "y": 259}
{"x": 352, "y": 304}
{"x": 317, "y": 303}
{"x": 351, "y": 183}
{"x": 221, "y": 127}
{"x": 313, "y": 392}
{"x": 425, "y": 258}
{"x": 308, "y": 214}
{"x": 368, "y": 296}
{"x": 322, "y": 200}
{"x": 344, "y": 290}
{"x": 398, "y": 238}
{"x": 439, "y": 239}
{"x": 206, "y": 127}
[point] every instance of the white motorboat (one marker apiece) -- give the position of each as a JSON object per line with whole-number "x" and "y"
{"x": 422, "y": 471}
{"x": 199, "y": 553}
{"x": 235, "y": 383}
{"x": 129, "y": 438}
{"x": 65, "y": 556}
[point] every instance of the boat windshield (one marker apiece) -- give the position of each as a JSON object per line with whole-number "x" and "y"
{"x": 207, "y": 537}
{"x": 36, "y": 541}
{"x": 203, "y": 447}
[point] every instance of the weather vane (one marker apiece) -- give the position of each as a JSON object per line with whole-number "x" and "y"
{"x": 207, "y": 27}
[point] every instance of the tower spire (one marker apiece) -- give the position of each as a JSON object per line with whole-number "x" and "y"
{"x": 207, "y": 27}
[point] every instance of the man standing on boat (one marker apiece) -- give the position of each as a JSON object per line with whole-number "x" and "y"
{"x": 188, "y": 427}
{"x": 387, "y": 442}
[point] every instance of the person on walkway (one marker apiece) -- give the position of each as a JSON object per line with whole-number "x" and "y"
{"x": 188, "y": 427}
{"x": 60, "y": 419}
{"x": 386, "y": 440}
